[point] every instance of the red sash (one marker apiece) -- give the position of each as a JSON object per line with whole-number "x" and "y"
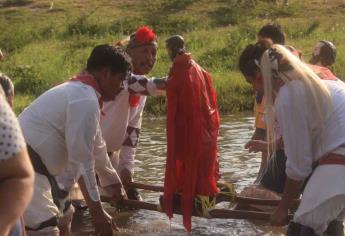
{"x": 88, "y": 79}
{"x": 332, "y": 159}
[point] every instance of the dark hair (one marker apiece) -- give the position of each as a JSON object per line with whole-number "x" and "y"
{"x": 176, "y": 44}
{"x": 7, "y": 85}
{"x": 327, "y": 55}
{"x": 111, "y": 57}
{"x": 249, "y": 58}
{"x": 274, "y": 32}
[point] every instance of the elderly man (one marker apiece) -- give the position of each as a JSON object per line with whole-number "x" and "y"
{"x": 61, "y": 128}
{"x": 122, "y": 121}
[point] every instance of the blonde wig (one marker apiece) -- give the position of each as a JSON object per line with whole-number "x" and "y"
{"x": 278, "y": 63}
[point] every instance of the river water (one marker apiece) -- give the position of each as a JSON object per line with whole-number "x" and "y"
{"x": 236, "y": 166}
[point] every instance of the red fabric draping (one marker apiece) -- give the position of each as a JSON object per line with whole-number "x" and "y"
{"x": 192, "y": 131}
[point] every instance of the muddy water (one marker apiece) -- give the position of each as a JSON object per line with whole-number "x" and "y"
{"x": 236, "y": 166}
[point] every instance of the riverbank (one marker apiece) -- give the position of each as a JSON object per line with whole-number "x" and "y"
{"x": 46, "y": 42}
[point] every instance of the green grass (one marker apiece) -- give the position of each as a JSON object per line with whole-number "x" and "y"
{"x": 46, "y": 46}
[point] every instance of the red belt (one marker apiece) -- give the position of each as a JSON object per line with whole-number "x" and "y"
{"x": 332, "y": 159}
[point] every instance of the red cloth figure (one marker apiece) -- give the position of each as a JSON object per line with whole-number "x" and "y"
{"x": 192, "y": 131}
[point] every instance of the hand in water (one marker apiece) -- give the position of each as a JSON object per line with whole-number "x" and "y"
{"x": 256, "y": 146}
{"x": 103, "y": 222}
{"x": 116, "y": 191}
{"x": 279, "y": 216}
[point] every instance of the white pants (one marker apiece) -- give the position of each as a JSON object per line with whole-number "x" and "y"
{"x": 43, "y": 208}
{"x": 321, "y": 216}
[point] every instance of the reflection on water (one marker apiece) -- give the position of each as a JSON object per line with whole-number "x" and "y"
{"x": 236, "y": 166}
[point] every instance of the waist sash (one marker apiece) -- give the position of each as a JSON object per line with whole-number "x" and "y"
{"x": 39, "y": 167}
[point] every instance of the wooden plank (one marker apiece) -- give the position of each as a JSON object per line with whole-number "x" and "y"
{"x": 221, "y": 197}
{"x": 215, "y": 213}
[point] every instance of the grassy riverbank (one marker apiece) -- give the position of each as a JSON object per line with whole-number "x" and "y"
{"x": 45, "y": 44}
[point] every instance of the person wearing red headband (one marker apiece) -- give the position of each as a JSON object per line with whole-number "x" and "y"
{"x": 121, "y": 123}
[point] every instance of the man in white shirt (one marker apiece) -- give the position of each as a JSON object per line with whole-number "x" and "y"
{"x": 61, "y": 128}
{"x": 122, "y": 121}
{"x": 310, "y": 111}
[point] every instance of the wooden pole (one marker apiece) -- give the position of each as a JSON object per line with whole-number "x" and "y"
{"x": 221, "y": 197}
{"x": 215, "y": 213}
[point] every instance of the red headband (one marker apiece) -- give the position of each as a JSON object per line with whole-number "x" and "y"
{"x": 144, "y": 35}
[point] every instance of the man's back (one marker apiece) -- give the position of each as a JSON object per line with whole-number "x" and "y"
{"x": 54, "y": 116}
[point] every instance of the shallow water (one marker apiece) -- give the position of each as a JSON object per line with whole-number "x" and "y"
{"x": 236, "y": 166}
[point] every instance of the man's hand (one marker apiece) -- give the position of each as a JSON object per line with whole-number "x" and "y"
{"x": 116, "y": 191}
{"x": 256, "y": 146}
{"x": 279, "y": 216}
{"x": 103, "y": 222}
{"x": 126, "y": 178}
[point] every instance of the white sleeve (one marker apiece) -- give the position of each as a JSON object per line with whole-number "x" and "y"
{"x": 292, "y": 115}
{"x": 129, "y": 146}
{"x": 141, "y": 85}
{"x": 105, "y": 171}
{"x": 82, "y": 123}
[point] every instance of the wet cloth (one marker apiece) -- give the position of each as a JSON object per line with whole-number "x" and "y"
{"x": 327, "y": 181}
{"x": 192, "y": 131}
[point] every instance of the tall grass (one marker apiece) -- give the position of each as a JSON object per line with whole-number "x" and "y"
{"x": 45, "y": 47}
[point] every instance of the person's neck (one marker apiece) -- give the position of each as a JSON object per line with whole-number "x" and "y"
{"x": 136, "y": 72}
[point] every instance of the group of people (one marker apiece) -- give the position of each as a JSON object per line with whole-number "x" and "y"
{"x": 86, "y": 131}
{"x": 301, "y": 132}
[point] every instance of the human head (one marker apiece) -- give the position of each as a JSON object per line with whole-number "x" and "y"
{"x": 324, "y": 54}
{"x": 280, "y": 66}
{"x": 270, "y": 34}
{"x": 110, "y": 66}
{"x": 141, "y": 46}
{"x": 249, "y": 66}
{"x": 175, "y": 45}
{"x": 7, "y": 86}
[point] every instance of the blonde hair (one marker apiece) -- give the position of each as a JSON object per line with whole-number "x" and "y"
{"x": 317, "y": 94}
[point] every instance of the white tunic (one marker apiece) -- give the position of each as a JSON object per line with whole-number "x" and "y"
{"x": 303, "y": 146}
{"x": 119, "y": 115}
{"x": 62, "y": 126}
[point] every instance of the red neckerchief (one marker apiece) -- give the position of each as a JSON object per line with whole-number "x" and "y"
{"x": 323, "y": 72}
{"x": 134, "y": 100}
{"x": 88, "y": 79}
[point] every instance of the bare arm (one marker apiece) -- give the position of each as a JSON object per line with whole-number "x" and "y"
{"x": 16, "y": 188}
{"x": 291, "y": 191}
{"x": 102, "y": 221}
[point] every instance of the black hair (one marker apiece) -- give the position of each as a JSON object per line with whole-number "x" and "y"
{"x": 249, "y": 59}
{"x": 7, "y": 85}
{"x": 176, "y": 44}
{"x": 274, "y": 32}
{"x": 328, "y": 53}
{"x": 111, "y": 57}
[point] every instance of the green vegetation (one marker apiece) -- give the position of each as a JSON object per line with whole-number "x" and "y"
{"x": 46, "y": 42}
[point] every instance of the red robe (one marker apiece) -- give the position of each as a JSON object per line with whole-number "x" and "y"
{"x": 192, "y": 131}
